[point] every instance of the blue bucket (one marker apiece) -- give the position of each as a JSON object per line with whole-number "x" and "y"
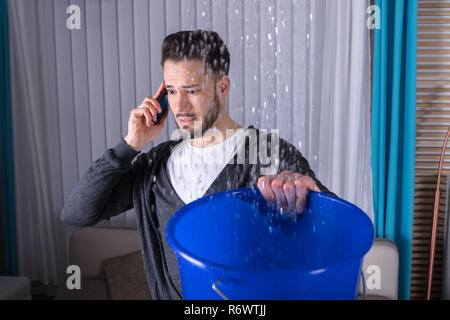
{"x": 233, "y": 245}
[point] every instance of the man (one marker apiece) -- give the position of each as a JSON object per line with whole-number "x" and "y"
{"x": 176, "y": 172}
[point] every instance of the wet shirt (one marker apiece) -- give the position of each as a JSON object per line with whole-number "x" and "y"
{"x": 115, "y": 183}
{"x": 193, "y": 169}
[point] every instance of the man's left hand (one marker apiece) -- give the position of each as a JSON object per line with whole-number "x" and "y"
{"x": 288, "y": 190}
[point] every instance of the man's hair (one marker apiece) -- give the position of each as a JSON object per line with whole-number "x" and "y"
{"x": 206, "y": 46}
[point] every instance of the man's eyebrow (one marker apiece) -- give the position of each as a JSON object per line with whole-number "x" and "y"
{"x": 184, "y": 87}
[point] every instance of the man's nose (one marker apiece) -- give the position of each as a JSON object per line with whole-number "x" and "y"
{"x": 181, "y": 103}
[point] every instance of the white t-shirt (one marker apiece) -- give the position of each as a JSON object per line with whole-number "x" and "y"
{"x": 192, "y": 170}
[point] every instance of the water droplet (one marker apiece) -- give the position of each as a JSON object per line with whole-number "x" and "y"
{"x": 276, "y": 30}
{"x": 269, "y": 36}
{"x": 286, "y": 88}
{"x": 253, "y": 110}
{"x": 203, "y": 13}
{"x": 237, "y": 11}
{"x": 307, "y": 36}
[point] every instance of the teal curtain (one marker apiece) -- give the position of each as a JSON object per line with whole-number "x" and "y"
{"x": 6, "y": 149}
{"x": 394, "y": 129}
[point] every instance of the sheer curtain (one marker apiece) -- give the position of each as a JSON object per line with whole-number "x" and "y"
{"x": 300, "y": 66}
{"x": 334, "y": 106}
{"x": 37, "y": 154}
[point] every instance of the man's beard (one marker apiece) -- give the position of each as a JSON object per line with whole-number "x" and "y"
{"x": 209, "y": 120}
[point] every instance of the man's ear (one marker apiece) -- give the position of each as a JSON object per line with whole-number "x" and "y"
{"x": 223, "y": 86}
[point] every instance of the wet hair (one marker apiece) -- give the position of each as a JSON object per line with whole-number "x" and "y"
{"x": 206, "y": 46}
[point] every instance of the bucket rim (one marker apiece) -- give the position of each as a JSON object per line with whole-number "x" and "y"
{"x": 207, "y": 264}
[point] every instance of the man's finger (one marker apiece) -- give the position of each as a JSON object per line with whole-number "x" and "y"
{"x": 160, "y": 90}
{"x": 290, "y": 193}
{"x": 151, "y": 109}
{"x": 308, "y": 181}
{"x": 154, "y": 103}
{"x": 277, "y": 187}
{"x": 265, "y": 188}
{"x": 143, "y": 112}
{"x": 301, "y": 191}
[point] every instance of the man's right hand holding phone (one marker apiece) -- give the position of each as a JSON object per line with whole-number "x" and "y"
{"x": 141, "y": 127}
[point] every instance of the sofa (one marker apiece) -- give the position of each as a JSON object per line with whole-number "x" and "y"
{"x": 111, "y": 267}
{"x": 380, "y": 269}
{"x": 110, "y": 263}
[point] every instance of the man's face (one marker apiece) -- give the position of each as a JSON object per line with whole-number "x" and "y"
{"x": 192, "y": 95}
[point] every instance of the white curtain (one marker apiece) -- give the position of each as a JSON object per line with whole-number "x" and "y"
{"x": 334, "y": 130}
{"x": 41, "y": 239}
{"x": 301, "y": 66}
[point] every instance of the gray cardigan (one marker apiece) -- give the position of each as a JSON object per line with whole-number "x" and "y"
{"x": 114, "y": 184}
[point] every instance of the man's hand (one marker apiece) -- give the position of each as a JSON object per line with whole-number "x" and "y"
{"x": 288, "y": 190}
{"x": 141, "y": 129}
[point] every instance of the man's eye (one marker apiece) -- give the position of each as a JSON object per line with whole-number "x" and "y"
{"x": 192, "y": 91}
{"x": 170, "y": 91}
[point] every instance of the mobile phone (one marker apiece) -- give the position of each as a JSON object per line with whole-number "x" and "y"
{"x": 164, "y": 103}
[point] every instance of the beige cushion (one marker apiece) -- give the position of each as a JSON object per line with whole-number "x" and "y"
{"x": 90, "y": 246}
{"x": 125, "y": 277}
